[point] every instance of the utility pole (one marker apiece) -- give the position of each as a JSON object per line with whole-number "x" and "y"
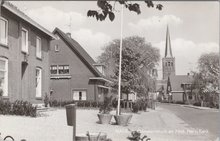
{"x": 219, "y": 70}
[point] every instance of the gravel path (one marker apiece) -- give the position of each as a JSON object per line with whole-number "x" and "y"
{"x": 159, "y": 125}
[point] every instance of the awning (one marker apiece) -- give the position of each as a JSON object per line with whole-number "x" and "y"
{"x": 100, "y": 78}
{"x": 104, "y": 87}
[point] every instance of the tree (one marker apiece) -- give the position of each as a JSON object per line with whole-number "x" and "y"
{"x": 209, "y": 67}
{"x": 205, "y": 81}
{"x": 107, "y": 8}
{"x": 138, "y": 59}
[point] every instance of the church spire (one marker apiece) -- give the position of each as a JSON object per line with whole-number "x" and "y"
{"x": 168, "y": 50}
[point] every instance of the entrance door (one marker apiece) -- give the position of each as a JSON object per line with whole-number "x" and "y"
{"x": 38, "y": 82}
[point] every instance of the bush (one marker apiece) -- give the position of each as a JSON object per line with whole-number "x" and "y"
{"x": 179, "y": 102}
{"x": 46, "y": 100}
{"x": 106, "y": 107}
{"x": 5, "y": 107}
{"x": 22, "y": 108}
{"x": 197, "y": 104}
{"x": 135, "y": 107}
{"x": 55, "y": 103}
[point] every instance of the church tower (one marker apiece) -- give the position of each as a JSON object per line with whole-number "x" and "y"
{"x": 168, "y": 61}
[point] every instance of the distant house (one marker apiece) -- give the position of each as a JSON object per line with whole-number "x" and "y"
{"x": 24, "y": 56}
{"x": 181, "y": 88}
{"x": 74, "y": 75}
{"x": 173, "y": 87}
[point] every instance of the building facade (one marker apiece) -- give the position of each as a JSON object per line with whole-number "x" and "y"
{"x": 24, "y": 56}
{"x": 74, "y": 74}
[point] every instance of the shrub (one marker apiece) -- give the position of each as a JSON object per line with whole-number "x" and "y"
{"x": 114, "y": 103}
{"x": 197, "y": 104}
{"x": 106, "y": 107}
{"x": 179, "y": 102}
{"x": 94, "y": 104}
{"x": 46, "y": 100}
{"x": 5, "y": 107}
{"x": 135, "y": 107}
{"x": 22, "y": 108}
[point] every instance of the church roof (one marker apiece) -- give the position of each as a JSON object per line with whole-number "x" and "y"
{"x": 177, "y": 80}
{"x": 168, "y": 49}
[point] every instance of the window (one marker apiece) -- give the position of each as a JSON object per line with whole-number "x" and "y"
{"x": 38, "y": 48}
{"x": 53, "y": 69}
{"x": 24, "y": 40}
{"x": 59, "y": 69}
{"x": 171, "y": 63}
{"x": 3, "y": 76}
{"x": 168, "y": 63}
{"x": 3, "y": 31}
{"x": 56, "y": 48}
{"x": 38, "y": 82}
{"x": 79, "y": 95}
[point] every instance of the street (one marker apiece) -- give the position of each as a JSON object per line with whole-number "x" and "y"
{"x": 196, "y": 118}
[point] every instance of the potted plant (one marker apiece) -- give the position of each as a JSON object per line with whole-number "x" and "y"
{"x": 104, "y": 111}
{"x": 122, "y": 119}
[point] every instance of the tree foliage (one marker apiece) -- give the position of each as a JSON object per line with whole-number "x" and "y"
{"x": 138, "y": 60}
{"x": 205, "y": 81}
{"x": 209, "y": 66}
{"x": 107, "y": 9}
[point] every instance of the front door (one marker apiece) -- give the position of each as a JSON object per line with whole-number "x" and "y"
{"x": 38, "y": 82}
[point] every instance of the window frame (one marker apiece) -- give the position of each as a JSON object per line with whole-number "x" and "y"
{"x": 39, "y": 55}
{"x": 82, "y": 97}
{"x": 5, "y": 88}
{"x": 58, "y": 69}
{"x": 24, "y": 48}
{"x": 56, "y": 48}
{"x": 6, "y": 31}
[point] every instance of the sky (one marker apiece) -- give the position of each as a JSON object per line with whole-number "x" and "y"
{"x": 193, "y": 26}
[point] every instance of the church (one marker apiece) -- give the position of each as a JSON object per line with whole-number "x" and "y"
{"x": 173, "y": 87}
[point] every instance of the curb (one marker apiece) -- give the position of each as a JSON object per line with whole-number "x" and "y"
{"x": 200, "y": 108}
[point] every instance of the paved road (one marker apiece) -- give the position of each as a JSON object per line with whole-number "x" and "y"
{"x": 202, "y": 119}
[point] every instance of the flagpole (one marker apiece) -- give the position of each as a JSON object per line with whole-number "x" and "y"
{"x": 120, "y": 60}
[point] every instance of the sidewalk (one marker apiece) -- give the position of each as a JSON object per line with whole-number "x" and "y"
{"x": 159, "y": 125}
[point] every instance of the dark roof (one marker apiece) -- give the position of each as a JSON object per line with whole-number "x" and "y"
{"x": 78, "y": 49}
{"x": 23, "y": 16}
{"x": 177, "y": 80}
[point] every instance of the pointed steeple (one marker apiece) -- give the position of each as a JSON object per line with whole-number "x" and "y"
{"x": 168, "y": 50}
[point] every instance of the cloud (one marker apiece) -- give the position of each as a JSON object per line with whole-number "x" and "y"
{"x": 90, "y": 41}
{"x": 50, "y": 18}
{"x": 186, "y": 53}
{"x": 155, "y": 22}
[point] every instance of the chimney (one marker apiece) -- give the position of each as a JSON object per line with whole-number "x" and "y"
{"x": 68, "y": 34}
